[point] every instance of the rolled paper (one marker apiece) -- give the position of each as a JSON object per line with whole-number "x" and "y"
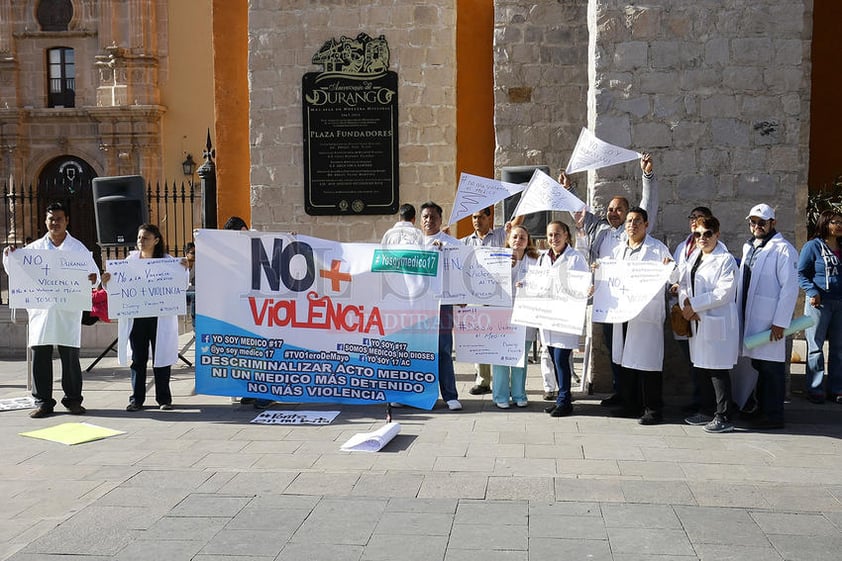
{"x": 798, "y": 324}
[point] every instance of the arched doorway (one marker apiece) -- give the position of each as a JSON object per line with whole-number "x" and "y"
{"x": 67, "y": 179}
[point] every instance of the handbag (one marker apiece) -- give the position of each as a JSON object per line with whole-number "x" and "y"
{"x": 680, "y": 326}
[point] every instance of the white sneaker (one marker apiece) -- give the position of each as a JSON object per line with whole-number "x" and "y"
{"x": 454, "y": 405}
{"x": 502, "y": 404}
{"x": 396, "y": 404}
{"x": 522, "y": 404}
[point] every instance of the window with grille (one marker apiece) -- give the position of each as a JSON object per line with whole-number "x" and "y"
{"x": 61, "y": 78}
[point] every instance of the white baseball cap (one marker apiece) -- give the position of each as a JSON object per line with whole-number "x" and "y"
{"x": 763, "y": 211}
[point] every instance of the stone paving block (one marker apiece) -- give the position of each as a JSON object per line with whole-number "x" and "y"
{"x": 526, "y": 437}
{"x": 798, "y": 524}
{"x": 588, "y": 490}
{"x": 570, "y": 527}
{"x": 183, "y": 528}
{"x": 800, "y": 498}
{"x": 549, "y": 509}
{"x": 722, "y": 526}
{"x": 835, "y": 518}
{"x": 404, "y": 462}
{"x": 172, "y": 550}
{"x": 215, "y": 482}
{"x": 568, "y": 451}
{"x": 645, "y": 557}
{"x": 271, "y": 446}
{"x": 487, "y": 533}
{"x": 21, "y": 556}
{"x": 129, "y": 496}
{"x": 316, "y": 552}
{"x": 226, "y": 461}
{"x": 344, "y": 461}
{"x": 212, "y": 506}
{"x": 262, "y": 518}
{"x": 454, "y": 554}
{"x": 264, "y": 543}
{"x": 323, "y": 484}
{"x": 600, "y": 451}
{"x": 587, "y": 467}
{"x": 715, "y": 472}
{"x": 429, "y": 449}
{"x": 520, "y": 488}
{"x": 717, "y": 493}
{"x": 171, "y": 459}
{"x": 285, "y": 461}
{"x": 257, "y": 483}
{"x": 454, "y": 464}
{"x": 712, "y": 552}
{"x": 651, "y": 470}
{"x": 525, "y": 467}
{"x": 661, "y": 492}
{"x": 415, "y": 523}
{"x": 483, "y": 450}
{"x": 216, "y": 446}
{"x": 335, "y": 529}
{"x": 432, "y": 506}
{"x": 388, "y": 485}
{"x": 640, "y": 516}
{"x": 291, "y": 502}
{"x": 499, "y": 513}
{"x": 650, "y": 541}
{"x": 807, "y": 548}
{"x": 457, "y": 486}
{"x": 558, "y": 548}
{"x": 383, "y": 547}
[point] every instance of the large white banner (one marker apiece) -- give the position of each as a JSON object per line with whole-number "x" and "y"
{"x": 309, "y": 320}
{"x": 593, "y": 153}
{"x": 486, "y": 334}
{"x": 146, "y": 287}
{"x": 623, "y": 288}
{"x": 475, "y": 193}
{"x": 553, "y": 298}
{"x": 41, "y": 278}
{"x": 545, "y": 193}
{"x": 476, "y": 275}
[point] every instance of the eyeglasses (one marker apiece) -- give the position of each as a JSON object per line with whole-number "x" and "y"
{"x": 758, "y": 223}
{"x": 695, "y": 216}
{"x": 707, "y": 234}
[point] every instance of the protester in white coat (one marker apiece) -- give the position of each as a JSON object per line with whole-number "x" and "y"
{"x": 638, "y": 345}
{"x": 708, "y": 287}
{"x": 137, "y": 335}
{"x": 54, "y": 327}
{"x": 767, "y": 293}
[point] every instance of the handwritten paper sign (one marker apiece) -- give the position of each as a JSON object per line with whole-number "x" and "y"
{"x": 553, "y": 298}
{"x": 624, "y": 288}
{"x": 295, "y": 417}
{"x": 593, "y": 153}
{"x": 475, "y": 193}
{"x": 41, "y": 279}
{"x": 146, "y": 287}
{"x": 476, "y": 275}
{"x": 545, "y": 193}
{"x": 486, "y": 335}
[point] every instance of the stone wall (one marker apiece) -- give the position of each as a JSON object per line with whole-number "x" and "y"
{"x": 283, "y": 37}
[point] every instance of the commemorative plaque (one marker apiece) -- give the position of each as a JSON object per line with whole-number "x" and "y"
{"x": 351, "y": 129}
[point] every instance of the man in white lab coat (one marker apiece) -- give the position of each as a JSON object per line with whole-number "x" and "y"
{"x": 54, "y": 327}
{"x": 766, "y": 297}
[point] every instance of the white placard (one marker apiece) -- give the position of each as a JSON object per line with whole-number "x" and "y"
{"x": 553, "y": 298}
{"x": 476, "y": 275}
{"x": 476, "y": 193}
{"x": 624, "y": 288}
{"x": 486, "y": 335}
{"x": 593, "y": 153}
{"x": 545, "y": 193}
{"x": 146, "y": 287}
{"x": 43, "y": 278}
{"x": 372, "y": 441}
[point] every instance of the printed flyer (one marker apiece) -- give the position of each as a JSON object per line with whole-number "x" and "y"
{"x": 301, "y": 319}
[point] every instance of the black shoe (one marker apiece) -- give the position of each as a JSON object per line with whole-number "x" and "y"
{"x": 815, "y": 398}
{"x": 75, "y": 408}
{"x": 263, "y": 403}
{"x": 651, "y": 419}
{"x": 613, "y": 401}
{"x": 246, "y": 400}
{"x": 562, "y": 411}
{"x": 479, "y": 390}
{"x": 626, "y": 413}
{"x": 765, "y": 423}
{"x": 133, "y": 407}
{"x": 40, "y": 412}
{"x": 549, "y": 408}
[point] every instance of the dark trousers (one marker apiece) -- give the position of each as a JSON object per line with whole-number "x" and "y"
{"x": 563, "y": 374}
{"x": 42, "y": 375}
{"x": 447, "y": 376}
{"x": 720, "y": 386}
{"x": 142, "y": 336}
{"x": 616, "y": 369}
{"x": 642, "y": 390}
{"x": 771, "y": 388}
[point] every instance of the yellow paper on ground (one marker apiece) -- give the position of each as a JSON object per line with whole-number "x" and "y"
{"x": 72, "y": 433}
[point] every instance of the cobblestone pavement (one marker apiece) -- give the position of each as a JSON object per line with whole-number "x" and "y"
{"x": 201, "y": 483}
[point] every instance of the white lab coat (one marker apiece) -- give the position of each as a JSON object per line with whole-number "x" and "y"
{"x": 52, "y": 326}
{"x": 573, "y": 261}
{"x": 643, "y": 346}
{"x": 715, "y": 340}
{"x": 771, "y": 295}
{"x": 166, "y": 336}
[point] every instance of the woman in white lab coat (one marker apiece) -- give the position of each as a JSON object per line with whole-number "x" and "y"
{"x": 707, "y": 294}
{"x": 137, "y": 335}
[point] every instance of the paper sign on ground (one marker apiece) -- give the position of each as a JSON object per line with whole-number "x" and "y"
{"x": 475, "y": 193}
{"x": 593, "y": 153}
{"x": 14, "y": 403}
{"x": 553, "y": 298}
{"x": 146, "y": 287}
{"x": 624, "y": 288}
{"x": 486, "y": 335}
{"x": 372, "y": 441}
{"x": 476, "y": 275}
{"x": 545, "y": 193}
{"x": 295, "y": 417}
{"x": 41, "y": 278}
{"x": 72, "y": 433}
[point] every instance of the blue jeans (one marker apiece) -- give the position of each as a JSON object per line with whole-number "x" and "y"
{"x": 509, "y": 381}
{"x": 828, "y": 327}
{"x": 771, "y": 388}
{"x": 447, "y": 377}
{"x": 563, "y": 372}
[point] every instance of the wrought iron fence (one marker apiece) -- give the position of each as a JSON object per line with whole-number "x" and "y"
{"x": 173, "y": 207}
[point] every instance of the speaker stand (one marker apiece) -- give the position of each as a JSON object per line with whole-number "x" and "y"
{"x": 114, "y": 344}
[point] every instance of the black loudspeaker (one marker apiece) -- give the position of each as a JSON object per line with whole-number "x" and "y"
{"x": 535, "y": 223}
{"x": 120, "y": 208}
